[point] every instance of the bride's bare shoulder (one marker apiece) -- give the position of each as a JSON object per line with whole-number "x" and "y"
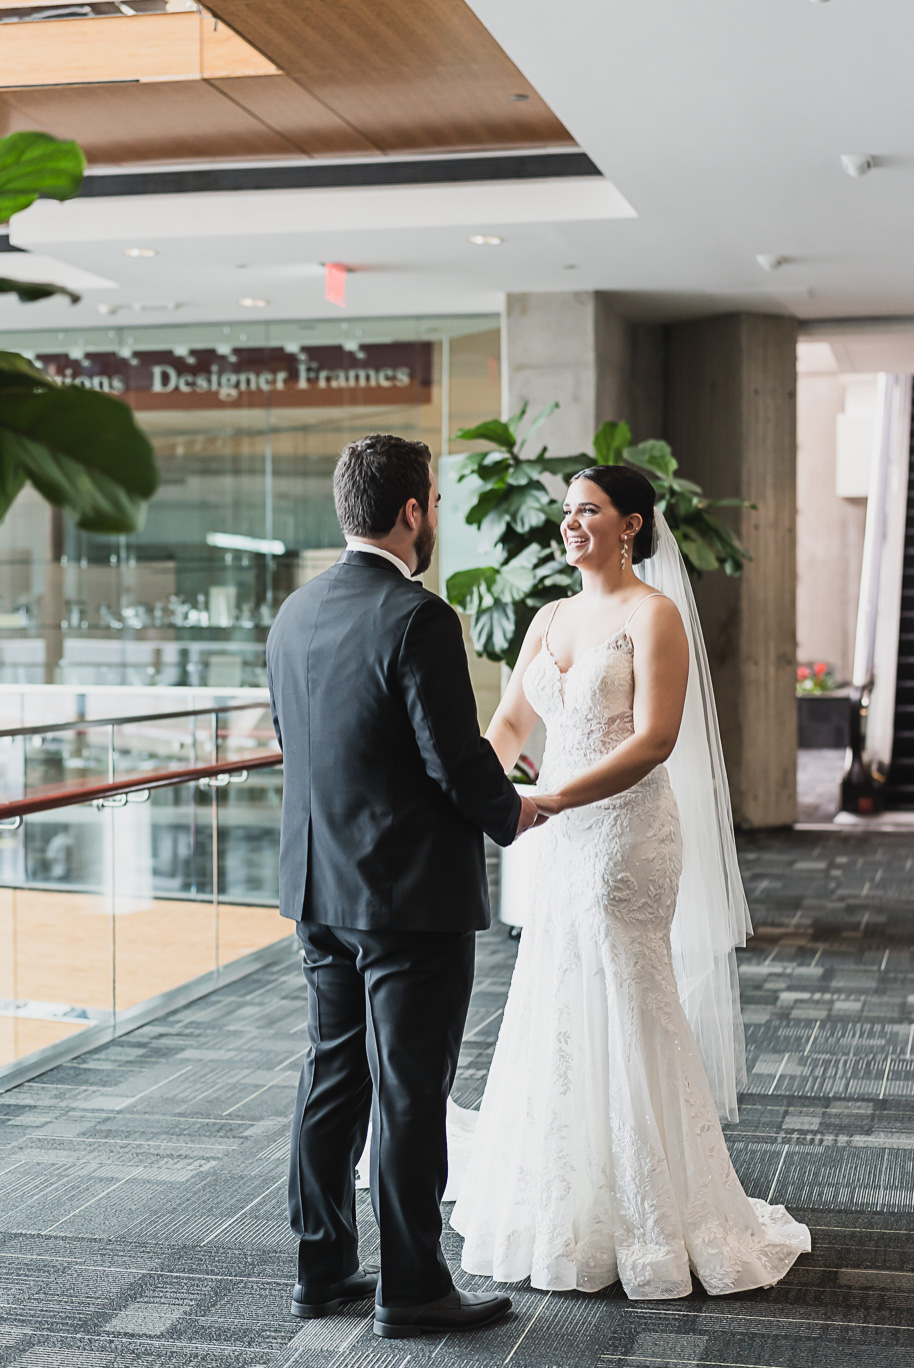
{"x": 656, "y": 621}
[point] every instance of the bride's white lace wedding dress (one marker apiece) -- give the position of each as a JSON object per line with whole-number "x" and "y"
{"x": 598, "y": 1152}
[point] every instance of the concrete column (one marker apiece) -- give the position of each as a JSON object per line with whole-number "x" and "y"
{"x": 577, "y": 349}
{"x": 731, "y": 421}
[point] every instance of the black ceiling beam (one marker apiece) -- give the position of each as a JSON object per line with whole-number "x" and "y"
{"x": 317, "y": 175}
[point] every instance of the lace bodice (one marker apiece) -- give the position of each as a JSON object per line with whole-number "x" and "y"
{"x": 587, "y": 709}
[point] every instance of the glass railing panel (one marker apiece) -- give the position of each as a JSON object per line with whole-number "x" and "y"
{"x": 165, "y": 921}
{"x": 161, "y": 743}
{"x": 110, "y": 903}
{"x": 248, "y": 815}
{"x": 244, "y": 732}
{"x": 55, "y": 928}
{"x": 12, "y": 770}
{"x": 80, "y": 755}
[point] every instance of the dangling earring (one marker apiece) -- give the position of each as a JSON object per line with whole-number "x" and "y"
{"x": 624, "y": 551}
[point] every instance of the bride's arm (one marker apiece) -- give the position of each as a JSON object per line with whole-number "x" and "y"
{"x": 661, "y": 675}
{"x": 514, "y": 718}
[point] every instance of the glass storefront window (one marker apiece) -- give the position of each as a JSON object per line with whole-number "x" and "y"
{"x": 247, "y": 421}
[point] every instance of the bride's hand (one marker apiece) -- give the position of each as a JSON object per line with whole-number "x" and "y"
{"x": 549, "y": 804}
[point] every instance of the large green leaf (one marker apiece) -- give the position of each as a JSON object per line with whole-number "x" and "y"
{"x": 519, "y": 509}
{"x": 537, "y": 422}
{"x": 561, "y": 466}
{"x": 517, "y": 418}
{"x": 653, "y": 455}
{"x": 487, "y": 501}
{"x": 83, "y": 451}
{"x": 466, "y": 589}
{"x": 18, "y": 372}
{"x": 695, "y": 549}
{"x": 494, "y": 431}
{"x": 524, "y": 473}
{"x": 493, "y": 629}
{"x": 29, "y": 290}
{"x": 610, "y": 442}
{"x": 486, "y": 465}
{"x": 515, "y": 579}
{"x": 12, "y": 478}
{"x": 685, "y": 486}
{"x": 33, "y": 165}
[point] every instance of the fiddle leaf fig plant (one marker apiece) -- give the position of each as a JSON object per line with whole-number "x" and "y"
{"x": 83, "y": 451}
{"x": 519, "y": 517}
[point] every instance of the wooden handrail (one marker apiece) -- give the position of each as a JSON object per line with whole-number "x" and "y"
{"x": 74, "y": 794}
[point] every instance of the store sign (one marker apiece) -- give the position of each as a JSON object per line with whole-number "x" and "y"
{"x": 326, "y": 377}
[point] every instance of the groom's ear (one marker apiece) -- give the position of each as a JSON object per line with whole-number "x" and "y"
{"x": 411, "y": 514}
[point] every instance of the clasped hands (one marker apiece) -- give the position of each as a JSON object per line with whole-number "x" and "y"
{"x": 535, "y": 811}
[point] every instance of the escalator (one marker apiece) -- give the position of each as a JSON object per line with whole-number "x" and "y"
{"x": 880, "y": 769}
{"x": 900, "y": 781}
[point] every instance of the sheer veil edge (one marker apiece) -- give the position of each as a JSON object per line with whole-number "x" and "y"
{"x": 712, "y": 916}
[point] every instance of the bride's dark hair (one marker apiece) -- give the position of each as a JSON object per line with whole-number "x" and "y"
{"x": 629, "y": 492}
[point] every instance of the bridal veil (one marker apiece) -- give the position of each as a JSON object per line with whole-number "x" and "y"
{"x": 712, "y": 916}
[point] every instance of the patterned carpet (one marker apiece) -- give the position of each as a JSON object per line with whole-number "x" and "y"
{"x": 142, "y": 1186}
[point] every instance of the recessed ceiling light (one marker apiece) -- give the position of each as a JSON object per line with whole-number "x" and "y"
{"x": 857, "y": 164}
{"x": 485, "y": 240}
{"x": 520, "y": 99}
{"x": 140, "y": 251}
{"x": 248, "y": 303}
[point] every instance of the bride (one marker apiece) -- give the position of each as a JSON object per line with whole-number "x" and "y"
{"x": 598, "y": 1153}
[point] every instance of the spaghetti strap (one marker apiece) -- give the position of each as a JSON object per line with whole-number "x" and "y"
{"x": 656, "y": 594}
{"x": 555, "y": 609}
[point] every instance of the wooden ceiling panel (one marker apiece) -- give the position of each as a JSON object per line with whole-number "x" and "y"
{"x": 296, "y": 115}
{"x": 14, "y": 120}
{"x": 163, "y": 121}
{"x": 349, "y": 78}
{"x": 409, "y": 77}
{"x": 316, "y": 39}
{"x": 151, "y": 47}
{"x": 437, "y": 113}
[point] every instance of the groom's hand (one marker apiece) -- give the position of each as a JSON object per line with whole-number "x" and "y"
{"x": 530, "y": 816}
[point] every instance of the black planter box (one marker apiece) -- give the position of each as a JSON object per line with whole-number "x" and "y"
{"x": 823, "y": 722}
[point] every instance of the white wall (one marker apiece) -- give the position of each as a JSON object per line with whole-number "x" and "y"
{"x": 829, "y": 527}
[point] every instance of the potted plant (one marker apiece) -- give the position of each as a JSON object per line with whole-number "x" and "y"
{"x": 518, "y": 514}
{"x": 823, "y": 708}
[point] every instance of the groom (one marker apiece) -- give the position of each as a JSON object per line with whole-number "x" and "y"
{"x": 388, "y": 788}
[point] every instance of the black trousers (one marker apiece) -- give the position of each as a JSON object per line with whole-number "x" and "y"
{"x": 386, "y": 1012}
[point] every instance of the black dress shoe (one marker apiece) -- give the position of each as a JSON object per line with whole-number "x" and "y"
{"x": 311, "y": 1302}
{"x": 456, "y": 1311}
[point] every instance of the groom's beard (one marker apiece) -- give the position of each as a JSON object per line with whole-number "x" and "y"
{"x": 424, "y": 545}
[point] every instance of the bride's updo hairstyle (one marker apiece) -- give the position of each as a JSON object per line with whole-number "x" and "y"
{"x": 629, "y": 492}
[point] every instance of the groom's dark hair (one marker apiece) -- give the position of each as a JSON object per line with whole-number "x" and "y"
{"x": 374, "y": 478}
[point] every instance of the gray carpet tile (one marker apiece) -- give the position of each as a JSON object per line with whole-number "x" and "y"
{"x": 142, "y": 1186}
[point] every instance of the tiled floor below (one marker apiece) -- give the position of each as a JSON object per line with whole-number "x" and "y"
{"x": 142, "y": 1186}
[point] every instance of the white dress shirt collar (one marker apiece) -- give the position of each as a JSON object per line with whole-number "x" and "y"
{"x": 353, "y": 545}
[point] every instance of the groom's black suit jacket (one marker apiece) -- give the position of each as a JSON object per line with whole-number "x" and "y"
{"x": 387, "y": 784}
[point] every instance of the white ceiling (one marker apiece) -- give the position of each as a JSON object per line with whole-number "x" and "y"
{"x": 719, "y": 125}
{"x": 723, "y": 122}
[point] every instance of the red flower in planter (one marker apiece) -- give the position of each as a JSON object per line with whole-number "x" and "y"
{"x": 820, "y": 668}
{"x": 803, "y": 672}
